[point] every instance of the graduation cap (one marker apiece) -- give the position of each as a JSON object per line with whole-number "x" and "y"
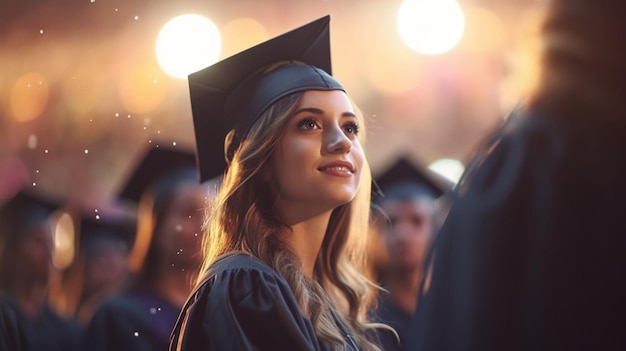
{"x": 96, "y": 232}
{"x": 160, "y": 169}
{"x": 404, "y": 180}
{"x": 233, "y": 93}
{"x": 24, "y": 209}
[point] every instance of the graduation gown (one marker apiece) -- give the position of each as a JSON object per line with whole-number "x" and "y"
{"x": 388, "y": 313}
{"x": 136, "y": 321}
{"x": 12, "y": 337}
{"x": 46, "y": 332}
{"x": 533, "y": 252}
{"x": 243, "y": 305}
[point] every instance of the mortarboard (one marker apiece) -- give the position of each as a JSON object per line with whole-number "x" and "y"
{"x": 234, "y": 92}
{"x": 93, "y": 232}
{"x": 159, "y": 169}
{"x": 405, "y": 179}
{"x": 24, "y": 209}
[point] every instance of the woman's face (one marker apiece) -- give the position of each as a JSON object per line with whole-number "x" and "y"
{"x": 318, "y": 163}
{"x": 34, "y": 255}
{"x": 410, "y": 231}
{"x": 180, "y": 237}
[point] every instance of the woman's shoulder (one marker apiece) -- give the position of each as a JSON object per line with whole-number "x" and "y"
{"x": 240, "y": 274}
{"x": 239, "y": 262}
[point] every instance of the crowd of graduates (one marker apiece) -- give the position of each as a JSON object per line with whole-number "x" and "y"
{"x": 524, "y": 253}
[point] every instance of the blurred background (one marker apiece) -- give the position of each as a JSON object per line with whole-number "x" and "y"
{"x": 85, "y": 88}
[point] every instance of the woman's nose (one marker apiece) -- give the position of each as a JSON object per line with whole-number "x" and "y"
{"x": 338, "y": 141}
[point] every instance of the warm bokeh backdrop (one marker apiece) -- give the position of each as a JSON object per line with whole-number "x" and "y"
{"x": 82, "y": 93}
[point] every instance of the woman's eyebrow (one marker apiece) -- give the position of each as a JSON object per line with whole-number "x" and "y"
{"x": 318, "y": 111}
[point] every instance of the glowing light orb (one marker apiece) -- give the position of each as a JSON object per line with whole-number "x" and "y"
{"x": 449, "y": 168}
{"x": 430, "y": 27}
{"x": 186, "y": 44}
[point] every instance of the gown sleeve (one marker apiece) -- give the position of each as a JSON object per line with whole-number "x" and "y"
{"x": 531, "y": 254}
{"x": 12, "y": 336}
{"x": 246, "y": 306}
{"x": 119, "y": 324}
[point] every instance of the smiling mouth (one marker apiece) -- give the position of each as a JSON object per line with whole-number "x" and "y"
{"x": 343, "y": 169}
{"x": 337, "y": 171}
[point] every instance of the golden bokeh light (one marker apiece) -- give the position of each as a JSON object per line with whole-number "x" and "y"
{"x": 449, "y": 168}
{"x": 484, "y": 31}
{"x": 64, "y": 248}
{"x": 82, "y": 91}
{"x": 525, "y": 59}
{"x": 430, "y": 27}
{"x": 29, "y": 96}
{"x": 186, "y": 44}
{"x": 141, "y": 88}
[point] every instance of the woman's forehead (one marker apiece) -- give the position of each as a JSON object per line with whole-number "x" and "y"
{"x": 326, "y": 99}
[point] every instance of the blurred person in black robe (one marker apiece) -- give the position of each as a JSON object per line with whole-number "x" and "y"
{"x": 12, "y": 338}
{"x": 531, "y": 256}
{"x": 407, "y": 216}
{"x": 165, "y": 256}
{"x": 26, "y": 249}
{"x": 104, "y": 246}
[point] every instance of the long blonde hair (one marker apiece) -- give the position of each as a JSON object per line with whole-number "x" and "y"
{"x": 241, "y": 219}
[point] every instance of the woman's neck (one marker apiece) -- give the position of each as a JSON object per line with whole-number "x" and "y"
{"x": 404, "y": 289}
{"x": 30, "y": 297}
{"x": 306, "y": 239}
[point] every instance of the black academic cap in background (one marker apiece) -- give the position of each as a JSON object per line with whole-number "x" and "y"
{"x": 24, "y": 209}
{"x": 159, "y": 167}
{"x": 405, "y": 179}
{"x": 105, "y": 229}
{"x": 233, "y": 93}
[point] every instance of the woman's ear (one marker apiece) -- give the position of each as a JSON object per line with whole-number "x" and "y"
{"x": 266, "y": 171}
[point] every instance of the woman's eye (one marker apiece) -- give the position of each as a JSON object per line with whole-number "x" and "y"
{"x": 307, "y": 124}
{"x": 351, "y": 128}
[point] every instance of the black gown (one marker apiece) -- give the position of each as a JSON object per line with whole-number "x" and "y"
{"x": 388, "y": 313}
{"x": 46, "y": 332}
{"x": 12, "y": 337}
{"x": 532, "y": 255}
{"x": 244, "y": 305}
{"x": 135, "y": 321}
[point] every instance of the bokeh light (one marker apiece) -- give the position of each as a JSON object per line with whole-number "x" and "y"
{"x": 187, "y": 44}
{"x": 430, "y": 27}
{"x": 63, "y": 241}
{"x": 29, "y": 96}
{"x": 140, "y": 89}
{"x": 484, "y": 30}
{"x": 449, "y": 168}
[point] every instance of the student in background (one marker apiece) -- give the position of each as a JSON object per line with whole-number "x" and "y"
{"x": 531, "y": 256}
{"x": 104, "y": 247}
{"x": 12, "y": 337}
{"x": 165, "y": 257}
{"x": 407, "y": 216}
{"x": 26, "y": 250}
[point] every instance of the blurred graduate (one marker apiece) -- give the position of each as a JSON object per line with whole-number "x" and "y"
{"x": 531, "y": 256}
{"x": 406, "y": 212}
{"x": 165, "y": 256}
{"x": 26, "y": 268}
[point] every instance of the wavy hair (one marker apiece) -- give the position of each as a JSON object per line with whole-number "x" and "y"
{"x": 242, "y": 219}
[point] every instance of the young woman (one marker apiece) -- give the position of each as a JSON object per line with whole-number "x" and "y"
{"x": 286, "y": 233}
